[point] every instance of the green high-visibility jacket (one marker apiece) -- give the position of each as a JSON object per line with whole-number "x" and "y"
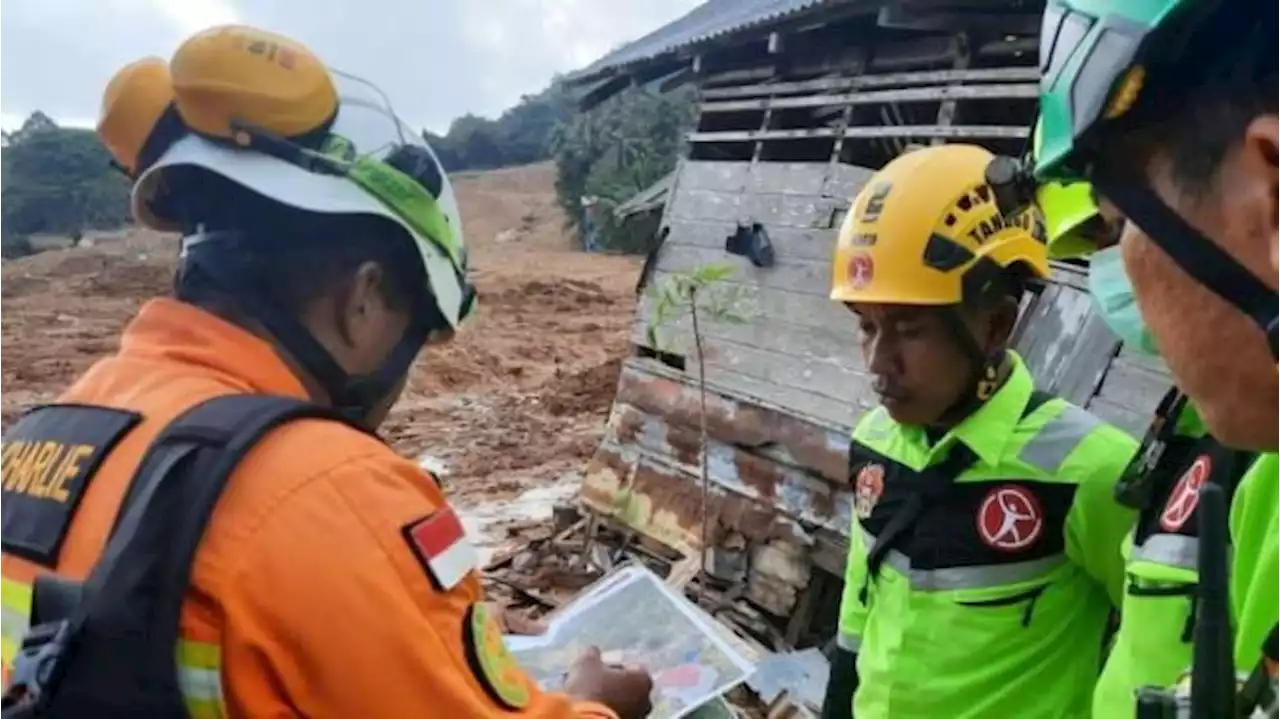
{"x": 1255, "y": 565}
{"x": 1153, "y": 644}
{"x": 995, "y": 602}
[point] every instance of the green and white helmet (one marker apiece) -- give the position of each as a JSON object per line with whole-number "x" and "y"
{"x": 1095, "y": 56}
{"x": 1097, "y": 59}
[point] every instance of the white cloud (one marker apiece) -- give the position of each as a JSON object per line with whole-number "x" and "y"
{"x": 437, "y": 59}
{"x": 192, "y": 16}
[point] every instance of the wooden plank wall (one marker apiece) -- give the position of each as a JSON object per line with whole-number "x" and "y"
{"x": 800, "y": 350}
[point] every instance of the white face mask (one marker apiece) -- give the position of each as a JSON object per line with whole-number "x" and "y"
{"x": 1113, "y": 296}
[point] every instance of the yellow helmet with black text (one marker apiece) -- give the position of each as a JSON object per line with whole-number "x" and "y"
{"x": 926, "y": 230}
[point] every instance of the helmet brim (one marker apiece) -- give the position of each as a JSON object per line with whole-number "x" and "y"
{"x": 296, "y": 187}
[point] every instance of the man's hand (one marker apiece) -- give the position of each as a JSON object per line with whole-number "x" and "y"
{"x": 623, "y": 689}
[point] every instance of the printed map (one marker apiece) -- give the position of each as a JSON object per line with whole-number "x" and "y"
{"x": 634, "y": 618}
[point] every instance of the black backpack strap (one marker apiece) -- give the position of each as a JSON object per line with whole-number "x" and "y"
{"x": 114, "y": 654}
{"x": 935, "y": 482}
{"x": 53, "y": 598}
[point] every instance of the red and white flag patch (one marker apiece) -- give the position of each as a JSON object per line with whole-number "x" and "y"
{"x": 441, "y": 543}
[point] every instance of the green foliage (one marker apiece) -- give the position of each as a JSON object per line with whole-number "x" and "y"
{"x": 521, "y": 135}
{"x": 609, "y": 154}
{"x": 703, "y": 290}
{"x": 705, "y": 296}
{"x": 604, "y": 156}
{"x": 57, "y": 180}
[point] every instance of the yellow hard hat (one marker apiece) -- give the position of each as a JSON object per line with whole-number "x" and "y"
{"x": 137, "y": 119}
{"x": 1067, "y": 209}
{"x": 234, "y": 73}
{"x": 925, "y": 230}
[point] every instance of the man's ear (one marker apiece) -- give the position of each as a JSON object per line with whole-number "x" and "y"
{"x": 1262, "y": 158}
{"x": 360, "y": 304}
{"x": 1002, "y": 319}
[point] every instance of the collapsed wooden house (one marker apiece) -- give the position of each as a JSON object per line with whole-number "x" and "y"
{"x": 800, "y": 101}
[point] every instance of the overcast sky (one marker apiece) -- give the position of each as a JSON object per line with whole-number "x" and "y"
{"x": 436, "y": 59}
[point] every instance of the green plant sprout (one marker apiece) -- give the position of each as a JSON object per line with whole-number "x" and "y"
{"x": 706, "y": 296}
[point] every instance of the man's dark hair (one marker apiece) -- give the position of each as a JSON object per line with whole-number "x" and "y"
{"x": 295, "y": 255}
{"x": 1009, "y": 283}
{"x": 1195, "y": 109}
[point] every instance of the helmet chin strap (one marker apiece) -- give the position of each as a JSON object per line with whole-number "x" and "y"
{"x": 985, "y": 378}
{"x": 220, "y": 256}
{"x": 1197, "y": 255}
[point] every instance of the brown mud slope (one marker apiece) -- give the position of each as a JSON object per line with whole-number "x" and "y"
{"x": 519, "y": 397}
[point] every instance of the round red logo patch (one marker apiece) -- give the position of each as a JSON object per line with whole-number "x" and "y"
{"x": 1010, "y": 518}
{"x": 868, "y": 488}
{"x": 1186, "y": 495}
{"x": 861, "y": 269}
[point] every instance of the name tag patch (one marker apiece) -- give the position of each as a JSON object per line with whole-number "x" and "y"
{"x": 46, "y": 463}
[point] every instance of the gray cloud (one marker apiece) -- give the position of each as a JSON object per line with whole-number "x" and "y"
{"x": 436, "y": 59}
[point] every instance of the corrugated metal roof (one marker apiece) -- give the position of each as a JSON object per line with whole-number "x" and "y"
{"x": 705, "y": 22}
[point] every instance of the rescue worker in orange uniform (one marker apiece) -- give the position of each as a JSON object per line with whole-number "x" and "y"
{"x": 334, "y": 579}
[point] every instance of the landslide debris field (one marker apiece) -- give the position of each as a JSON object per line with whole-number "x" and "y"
{"x": 518, "y": 399}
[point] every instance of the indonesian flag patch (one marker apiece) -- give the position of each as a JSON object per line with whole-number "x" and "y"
{"x": 442, "y": 546}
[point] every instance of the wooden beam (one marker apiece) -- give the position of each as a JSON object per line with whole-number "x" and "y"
{"x": 967, "y": 131}
{"x": 1027, "y": 91}
{"x": 907, "y": 17}
{"x": 947, "y": 110}
{"x": 676, "y": 79}
{"x": 934, "y": 77}
{"x": 756, "y": 135}
{"x": 776, "y": 44}
{"x": 738, "y": 76}
{"x": 971, "y": 131}
{"x": 1010, "y": 48}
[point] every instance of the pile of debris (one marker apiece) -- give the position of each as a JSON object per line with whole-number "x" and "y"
{"x": 544, "y": 564}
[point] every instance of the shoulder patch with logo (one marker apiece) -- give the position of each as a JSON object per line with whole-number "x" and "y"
{"x": 867, "y": 489}
{"x": 47, "y": 461}
{"x": 440, "y": 543}
{"x": 1185, "y": 496}
{"x": 492, "y": 662}
{"x": 1010, "y": 518}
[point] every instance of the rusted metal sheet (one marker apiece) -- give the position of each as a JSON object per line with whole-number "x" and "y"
{"x": 787, "y": 489}
{"x": 791, "y": 440}
{"x": 665, "y": 503}
{"x": 774, "y": 480}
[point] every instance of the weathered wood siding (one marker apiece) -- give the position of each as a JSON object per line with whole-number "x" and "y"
{"x": 785, "y": 388}
{"x": 799, "y": 349}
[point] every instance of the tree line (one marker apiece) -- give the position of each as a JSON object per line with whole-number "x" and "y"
{"x": 605, "y": 155}
{"x": 57, "y": 181}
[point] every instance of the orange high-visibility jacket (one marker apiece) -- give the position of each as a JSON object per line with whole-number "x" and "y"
{"x": 308, "y": 595}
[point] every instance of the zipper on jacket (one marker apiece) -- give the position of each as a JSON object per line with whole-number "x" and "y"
{"x": 1030, "y": 596}
{"x": 1177, "y": 590}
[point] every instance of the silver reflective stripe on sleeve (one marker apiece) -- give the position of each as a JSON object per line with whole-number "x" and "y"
{"x": 848, "y": 642}
{"x": 1058, "y": 438}
{"x": 976, "y": 577}
{"x": 1173, "y": 550}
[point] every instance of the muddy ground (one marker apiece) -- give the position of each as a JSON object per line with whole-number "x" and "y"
{"x": 517, "y": 400}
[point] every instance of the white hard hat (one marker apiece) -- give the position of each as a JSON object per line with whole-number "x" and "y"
{"x": 366, "y": 121}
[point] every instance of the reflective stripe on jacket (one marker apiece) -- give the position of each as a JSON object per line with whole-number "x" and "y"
{"x": 996, "y": 602}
